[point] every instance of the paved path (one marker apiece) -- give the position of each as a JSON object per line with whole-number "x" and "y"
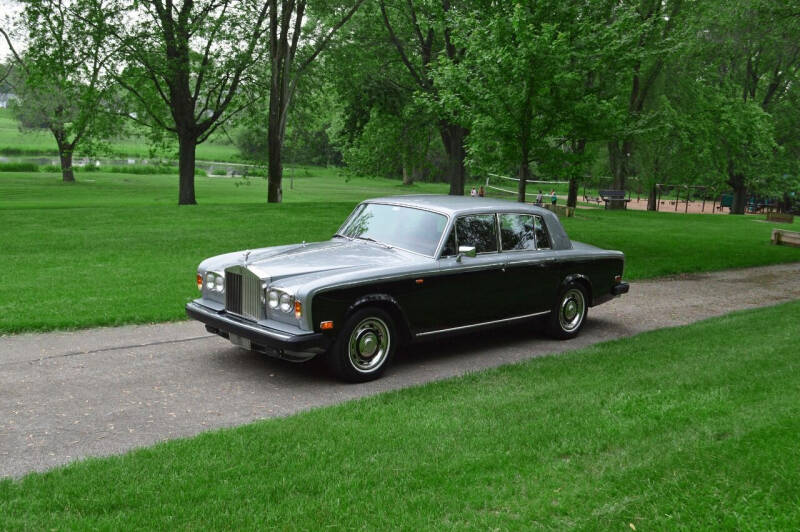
{"x": 69, "y": 395}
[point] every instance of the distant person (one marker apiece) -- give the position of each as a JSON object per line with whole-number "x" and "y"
{"x": 481, "y": 191}
{"x": 473, "y": 192}
{"x": 553, "y": 197}
{"x": 539, "y": 198}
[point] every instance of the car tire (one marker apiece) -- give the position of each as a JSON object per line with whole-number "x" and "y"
{"x": 568, "y": 313}
{"x": 364, "y": 347}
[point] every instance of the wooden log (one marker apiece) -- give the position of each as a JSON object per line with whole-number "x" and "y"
{"x": 782, "y": 237}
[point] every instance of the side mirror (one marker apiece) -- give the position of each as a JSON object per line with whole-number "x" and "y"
{"x": 465, "y": 251}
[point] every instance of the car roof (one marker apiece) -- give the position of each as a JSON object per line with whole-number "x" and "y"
{"x": 454, "y": 205}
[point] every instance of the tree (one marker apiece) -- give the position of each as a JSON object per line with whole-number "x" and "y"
{"x": 421, "y": 33}
{"x": 753, "y": 61}
{"x": 294, "y": 44}
{"x": 524, "y": 81}
{"x": 186, "y": 67}
{"x": 59, "y": 81}
{"x": 651, "y": 39}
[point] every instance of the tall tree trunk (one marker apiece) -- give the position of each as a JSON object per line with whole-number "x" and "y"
{"x": 187, "y": 144}
{"x": 524, "y": 175}
{"x": 619, "y": 156}
{"x": 408, "y": 177}
{"x": 65, "y": 154}
{"x": 275, "y": 164}
{"x": 572, "y": 194}
{"x": 652, "y": 195}
{"x": 736, "y": 181}
{"x": 453, "y": 137}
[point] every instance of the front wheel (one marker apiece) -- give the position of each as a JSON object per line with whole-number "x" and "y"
{"x": 569, "y": 312}
{"x": 364, "y": 347}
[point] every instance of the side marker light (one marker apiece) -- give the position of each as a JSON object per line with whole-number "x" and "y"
{"x": 326, "y": 325}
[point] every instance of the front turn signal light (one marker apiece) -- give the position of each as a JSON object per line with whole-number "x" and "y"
{"x": 298, "y": 309}
{"x": 199, "y": 282}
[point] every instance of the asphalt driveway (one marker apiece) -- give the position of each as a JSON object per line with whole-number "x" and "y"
{"x": 65, "y": 396}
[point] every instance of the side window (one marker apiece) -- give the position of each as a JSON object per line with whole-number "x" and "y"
{"x": 542, "y": 238}
{"x": 479, "y": 230}
{"x": 516, "y": 232}
{"x": 449, "y": 249}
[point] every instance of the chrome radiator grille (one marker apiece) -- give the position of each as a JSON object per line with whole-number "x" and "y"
{"x": 243, "y": 293}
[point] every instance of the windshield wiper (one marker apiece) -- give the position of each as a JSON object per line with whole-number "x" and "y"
{"x": 340, "y": 235}
{"x": 370, "y": 239}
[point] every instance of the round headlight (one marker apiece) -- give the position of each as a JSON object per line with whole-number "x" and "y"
{"x": 220, "y": 283}
{"x": 286, "y": 302}
{"x": 274, "y": 298}
{"x": 210, "y": 281}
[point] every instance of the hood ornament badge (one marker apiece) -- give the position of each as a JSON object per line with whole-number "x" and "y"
{"x": 246, "y": 256}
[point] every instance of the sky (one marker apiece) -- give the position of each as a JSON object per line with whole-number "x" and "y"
{"x": 7, "y": 8}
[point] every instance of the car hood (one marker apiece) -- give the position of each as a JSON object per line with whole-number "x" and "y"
{"x": 335, "y": 255}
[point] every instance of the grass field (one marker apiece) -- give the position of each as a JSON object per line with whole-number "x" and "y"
{"x": 14, "y": 142}
{"x": 700, "y": 433}
{"x": 115, "y": 248}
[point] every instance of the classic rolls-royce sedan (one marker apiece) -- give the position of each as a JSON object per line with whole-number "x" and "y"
{"x": 402, "y": 269}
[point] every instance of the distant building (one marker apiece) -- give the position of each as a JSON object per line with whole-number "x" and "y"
{"x": 5, "y": 99}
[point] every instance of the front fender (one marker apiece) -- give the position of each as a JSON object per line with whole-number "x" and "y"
{"x": 388, "y": 303}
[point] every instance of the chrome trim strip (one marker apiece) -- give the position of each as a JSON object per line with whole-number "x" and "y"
{"x": 426, "y": 333}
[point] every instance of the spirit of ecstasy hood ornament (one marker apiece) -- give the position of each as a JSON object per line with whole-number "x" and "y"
{"x": 246, "y": 255}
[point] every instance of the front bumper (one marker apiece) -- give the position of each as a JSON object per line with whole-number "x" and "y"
{"x": 280, "y": 344}
{"x": 619, "y": 289}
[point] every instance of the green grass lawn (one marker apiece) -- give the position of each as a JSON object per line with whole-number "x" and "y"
{"x": 14, "y": 142}
{"x": 679, "y": 428}
{"x": 115, "y": 248}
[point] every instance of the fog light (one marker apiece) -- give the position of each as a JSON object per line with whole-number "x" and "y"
{"x": 220, "y": 283}
{"x": 210, "y": 281}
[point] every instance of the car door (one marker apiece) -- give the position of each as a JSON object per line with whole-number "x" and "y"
{"x": 531, "y": 270}
{"x": 470, "y": 290}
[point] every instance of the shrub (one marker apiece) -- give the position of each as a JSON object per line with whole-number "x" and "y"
{"x": 19, "y": 167}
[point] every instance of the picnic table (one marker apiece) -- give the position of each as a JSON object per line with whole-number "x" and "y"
{"x": 614, "y": 197}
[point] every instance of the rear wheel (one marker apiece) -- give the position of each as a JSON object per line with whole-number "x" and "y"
{"x": 364, "y": 347}
{"x": 568, "y": 313}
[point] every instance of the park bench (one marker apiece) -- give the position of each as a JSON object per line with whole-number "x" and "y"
{"x": 781, "y": 217}
{"x": 614, "y": 197}
{"x": 782, "y": 237}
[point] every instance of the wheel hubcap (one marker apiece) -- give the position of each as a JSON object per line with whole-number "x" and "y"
{"x": 572, "y": 310}
{"x": 369, "y": 345}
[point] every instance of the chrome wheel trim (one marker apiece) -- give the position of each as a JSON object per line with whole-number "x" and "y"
{"x": 369, "y": 345}
{"x": 571, "y": 310}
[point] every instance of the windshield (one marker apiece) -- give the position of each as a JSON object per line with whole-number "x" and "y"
{"x": 403, "y": 227}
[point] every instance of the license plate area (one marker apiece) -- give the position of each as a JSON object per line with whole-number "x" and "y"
{"x": 240, "y": 341}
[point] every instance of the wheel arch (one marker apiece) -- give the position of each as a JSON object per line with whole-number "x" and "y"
{"x": 582, "y": 280}
{"x": 388, "y": 304}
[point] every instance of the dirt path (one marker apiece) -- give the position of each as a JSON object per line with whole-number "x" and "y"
{"x": 67, "y": 396}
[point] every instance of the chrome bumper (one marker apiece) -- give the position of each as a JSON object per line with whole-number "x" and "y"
{"x": 279, "y": 344}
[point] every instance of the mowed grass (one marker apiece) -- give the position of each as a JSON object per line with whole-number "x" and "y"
{"x": 113, "y": 249}
{"x": 679, "y": 428}
{"x": 14, "y": 142}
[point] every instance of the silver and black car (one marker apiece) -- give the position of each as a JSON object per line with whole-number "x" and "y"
{"x": 402, "y": 269}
